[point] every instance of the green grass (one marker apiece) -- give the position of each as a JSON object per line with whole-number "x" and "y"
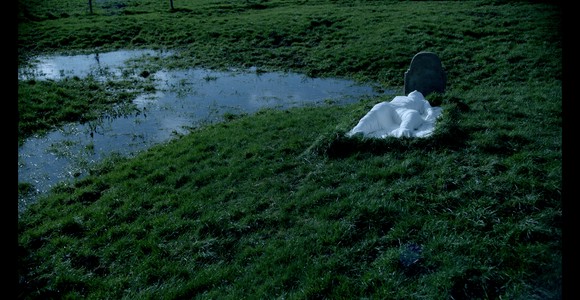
{"x": 281, "y": 204}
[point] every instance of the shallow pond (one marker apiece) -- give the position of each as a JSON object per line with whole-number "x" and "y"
{"x": 183, "y": 99}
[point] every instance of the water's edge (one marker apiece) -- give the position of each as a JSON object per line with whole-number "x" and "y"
{"x": 183, "y": 99}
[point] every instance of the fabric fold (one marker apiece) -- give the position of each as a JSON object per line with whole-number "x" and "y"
{"x": 404, "y": 116}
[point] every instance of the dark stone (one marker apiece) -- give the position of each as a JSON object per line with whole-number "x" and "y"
{"x": 426, "y": 74}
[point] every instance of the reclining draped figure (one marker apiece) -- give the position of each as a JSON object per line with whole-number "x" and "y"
{"x": 411, "y": 115}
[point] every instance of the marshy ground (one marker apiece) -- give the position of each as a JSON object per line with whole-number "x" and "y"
{"x": 279, "y": 203}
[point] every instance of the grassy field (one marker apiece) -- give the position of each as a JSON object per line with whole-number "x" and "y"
{"x": 281, "y": 204}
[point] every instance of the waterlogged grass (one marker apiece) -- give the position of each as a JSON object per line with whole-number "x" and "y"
{"x": 260, "y": 207}
{"x": 478, "y": 41}
{"x": 281, "y": 204}
{"x": 44, "y": 105}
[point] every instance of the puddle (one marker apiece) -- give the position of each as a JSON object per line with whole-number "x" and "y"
{"x": 183, "y": 99}
{"x": 100, "y": 65}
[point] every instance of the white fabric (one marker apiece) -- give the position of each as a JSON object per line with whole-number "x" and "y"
{"x": 404, "y": 116}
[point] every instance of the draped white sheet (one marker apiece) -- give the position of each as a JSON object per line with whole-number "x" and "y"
{"x": 404, "y": 116}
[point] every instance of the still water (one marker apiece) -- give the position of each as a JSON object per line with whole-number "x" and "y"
{"x": 182, "y": 99}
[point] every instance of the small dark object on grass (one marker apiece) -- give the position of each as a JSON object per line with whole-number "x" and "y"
{"x": 145, "y": 74}
{"x": 410, "y": 255}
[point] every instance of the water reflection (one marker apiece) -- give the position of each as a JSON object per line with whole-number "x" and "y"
{"x": 99, "y": 65}
{"x": 183, "y": 99}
